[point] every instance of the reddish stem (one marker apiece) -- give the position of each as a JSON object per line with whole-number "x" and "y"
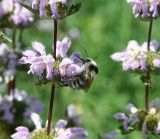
{"x": 11, "y": 87}
{"x": 53, "y": 84}
{"x": 12, "y": 83}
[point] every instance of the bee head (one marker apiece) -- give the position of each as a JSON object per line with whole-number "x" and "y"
{"x": 91, "y": 65}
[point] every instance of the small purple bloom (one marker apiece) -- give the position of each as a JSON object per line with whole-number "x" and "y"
{"x": 76, "y": 57}
{"x": 132, "y": 108}
{"x": 145, "y": 8}
{"x": 61, "y": 124}
{"x": 53, "y": 6}
{"x": 37, "y": 120}
{"x": 156, "y": 63}
{"x": 49, "y": 61}
{"x": 35, "y": 4}
{"x": 1, "y": 10}
{"x": 39, "y": 47}
{"x": 40, "y": 62}
{"x": 42, "y": 5}
{"x": 22, "y": 133}
{"x": 62, "y": 47}
{"x": 120, "y": 116}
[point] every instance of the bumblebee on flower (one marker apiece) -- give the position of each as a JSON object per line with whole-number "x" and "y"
{"x": 70, "y": 71}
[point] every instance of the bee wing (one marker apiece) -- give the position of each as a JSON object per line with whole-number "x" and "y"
{"x": 88, "y": 85}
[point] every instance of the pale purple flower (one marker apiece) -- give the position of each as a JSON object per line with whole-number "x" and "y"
{"x": 39, "y": 62}
{"x": 76, "y": 57}
{"x": 156, "y": 63}
{"x": 3, "y": 49}
{"x": 134, "y": 57}
{"x": 36, "y": 66}
{"x": 155, "y": 104}
{"x": 42, "y": 5}
{"x": 39, "y": 47}
{"x": 54, "y": 10}
{"x": 145, "y": 8}
{"x": 139, "y": 6}
{"x": 62, "y": 47}
{"x": 128, "y": 121}
{"x": 21, "y": 16}
{"x": 72, "y": 133}
{"x": 120, "y": 116}
{"x": 61, "y": 124}
{"x": 132, "y": 108}
{"x": 154, "y": 7}
{"x": 70, "y": 110}
{"x": 6, "y": 109}
{"x": 1, "y": 10}
{"x": 8, "y": 116}
{"x": 49, "y": 61}
{"x": 37, "y": 120}
{"x": 68, "y": 68}
{"x": 61, "y": 132}
{"x": 8, "y": 6}
{"x": 35, "y": 4}
{"x": 154, "y": 45}
{"x": 33, "y": 105}
{"x": 22, "y": 133}
{"x": 69, "y": 133}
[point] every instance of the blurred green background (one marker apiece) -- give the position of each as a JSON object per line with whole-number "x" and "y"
{"x": 105, "y": 27}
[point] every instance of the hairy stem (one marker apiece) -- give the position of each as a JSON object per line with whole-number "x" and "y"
{"x": 53, "y": 83}
{"x": 148, "y": 76}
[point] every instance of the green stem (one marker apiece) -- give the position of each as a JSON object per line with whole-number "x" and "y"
{"x": 148, "y": 76}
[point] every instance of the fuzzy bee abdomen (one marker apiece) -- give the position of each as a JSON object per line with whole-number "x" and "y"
{"x": 77, "y": 83}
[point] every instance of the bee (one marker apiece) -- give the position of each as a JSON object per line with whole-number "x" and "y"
{"x": 84, "y": 79}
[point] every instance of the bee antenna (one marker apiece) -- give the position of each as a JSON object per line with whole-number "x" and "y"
{"x": 86, "y": 52}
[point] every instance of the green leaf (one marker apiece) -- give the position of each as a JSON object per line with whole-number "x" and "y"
{"x": 74, "y": 8}
{"x": 4, "y": 38}
{"x": 65, "y": 11}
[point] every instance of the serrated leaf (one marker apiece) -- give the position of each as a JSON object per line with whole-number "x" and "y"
{"x": 67, "y": 11}
{"x": 4, "y": 38}
{"x": 74, "y": 8}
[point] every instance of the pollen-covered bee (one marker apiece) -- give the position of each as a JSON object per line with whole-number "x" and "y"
{"x": 84, "y": 79}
